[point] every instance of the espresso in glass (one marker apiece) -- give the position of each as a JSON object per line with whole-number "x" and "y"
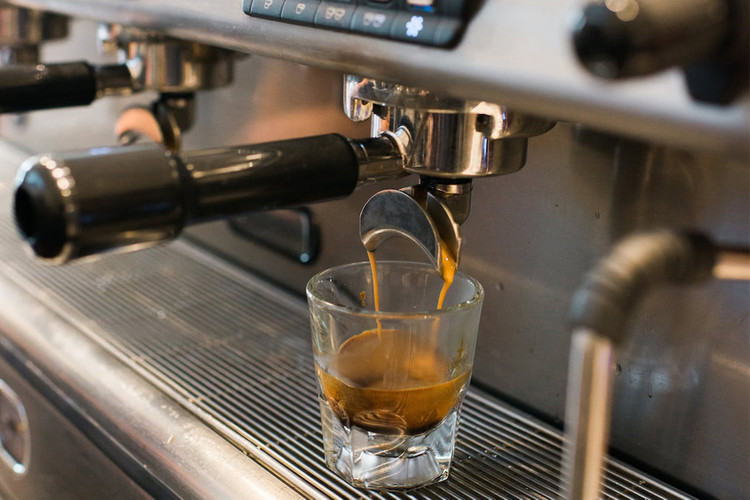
{"x": 381, "y": 382}
{"x": 391, "y": 381}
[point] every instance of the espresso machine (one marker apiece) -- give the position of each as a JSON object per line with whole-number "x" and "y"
{"x": 169, "y": 193}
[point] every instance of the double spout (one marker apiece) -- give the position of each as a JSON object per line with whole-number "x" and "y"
{"x": 424, "y": 214}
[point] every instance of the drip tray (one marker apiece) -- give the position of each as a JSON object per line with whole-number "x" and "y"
{"x": 235, "y": 352}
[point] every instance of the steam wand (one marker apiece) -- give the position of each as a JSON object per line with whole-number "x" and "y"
{"x": 598, "y": 315}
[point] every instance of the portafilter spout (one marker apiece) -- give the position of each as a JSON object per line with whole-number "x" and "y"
{"x": 418, "y": 214}
{"x": 446, "y": 141}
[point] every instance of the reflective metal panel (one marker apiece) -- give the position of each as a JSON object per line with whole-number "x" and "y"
{"x": 515, "y": 53}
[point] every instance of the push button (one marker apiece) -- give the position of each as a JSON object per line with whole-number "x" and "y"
{"x": 419, "y": 5}
{"x": 334, "y": 15}
{"x": 447, "y": 31}
{"x": 453, "y": 8}
{"x": 380, "y": 4}
{"x": 373, "y": 21}
{"x": 414, "y": 27}
{"x": 265, "y": 8}
{"x": 299, "y": 11}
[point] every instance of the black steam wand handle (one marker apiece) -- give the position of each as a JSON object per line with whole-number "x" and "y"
{"x": 46, "y": 86}
{"x": 639, "y": 37}
{"x": 708, "y": 39}
{"x": 72, "y": 205}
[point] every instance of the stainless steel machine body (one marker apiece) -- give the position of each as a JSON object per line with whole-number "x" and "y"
{"x": 625, "y": 156}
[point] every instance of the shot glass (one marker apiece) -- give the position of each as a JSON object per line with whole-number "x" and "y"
{"x": 391, "y": 381}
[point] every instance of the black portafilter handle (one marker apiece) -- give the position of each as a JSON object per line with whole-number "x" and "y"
{"x": 623, "y": 38}
{"x": 73, "y": 205}
{"x": 46, "y": 86}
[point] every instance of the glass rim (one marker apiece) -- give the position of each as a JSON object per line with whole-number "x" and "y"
{"x": 476, "y": 297}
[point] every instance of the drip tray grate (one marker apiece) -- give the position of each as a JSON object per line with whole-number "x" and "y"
{"x": 236, "y": 352}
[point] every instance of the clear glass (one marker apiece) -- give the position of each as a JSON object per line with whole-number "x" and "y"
{"x": 391, "y": 381}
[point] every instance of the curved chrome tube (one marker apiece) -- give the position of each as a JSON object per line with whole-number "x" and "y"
{"x": 599, "y": 312}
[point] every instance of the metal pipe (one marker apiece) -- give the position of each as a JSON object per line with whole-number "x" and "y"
{"x": 599, "y": 313}
{"x": 587, "y": 413}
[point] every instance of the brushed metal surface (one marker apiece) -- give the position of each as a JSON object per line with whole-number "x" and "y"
{"x": 514, "y": 52}
{"x": 235, "y": 352}
{"x": 62, "y": 460}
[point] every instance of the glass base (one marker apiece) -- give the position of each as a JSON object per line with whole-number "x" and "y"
{"x": 373, "y": 460}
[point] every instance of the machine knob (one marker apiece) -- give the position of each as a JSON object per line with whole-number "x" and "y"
{"x": 623, "y": 38}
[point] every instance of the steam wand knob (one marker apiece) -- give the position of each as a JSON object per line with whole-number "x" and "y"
{"x": 616, "y": 39}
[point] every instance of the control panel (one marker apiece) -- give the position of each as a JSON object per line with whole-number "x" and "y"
{"x": 428, "y": 22}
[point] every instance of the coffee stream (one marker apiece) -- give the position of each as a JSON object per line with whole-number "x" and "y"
{"x": 389, "y": 381}
{"x": 375, "y": 287}
{"x": 447, "y": 272}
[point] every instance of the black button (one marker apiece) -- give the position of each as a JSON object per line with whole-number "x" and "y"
{"x": 446, "y": 31}
{"x": 334, "y": 15}
{"x": 374, "y": 21}
{"x": 266, "y": 8}
{"x": 424, "y": 6}
{"x": 452, "y": 7}
{"x": 379, "y": 4}
{"x": 414, "y": 27}
{"x": 299, "y": 11}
